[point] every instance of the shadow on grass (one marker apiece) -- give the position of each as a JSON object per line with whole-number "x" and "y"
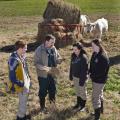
{"x": 115, "y": 60}
{"x": 66, "y": 114}
{"x": 11, "y": 48}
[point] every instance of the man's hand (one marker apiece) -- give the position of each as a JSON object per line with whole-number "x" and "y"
{"x": 54, "y": 71}
{"x": 59, "y": 61}
{"x": 47, "y": 69}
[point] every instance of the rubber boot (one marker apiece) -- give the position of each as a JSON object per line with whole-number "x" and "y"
{"x": 18, "y": 118}
{"x": 77, "y": 105}
{"x": 102, "y": 107}
{"x": 52, "y": 99}
{"x": 27, "y": 117}
{"x": 42, "y": 105}
{"x": 97, "y": 113}
{"x": 82, "y": 104}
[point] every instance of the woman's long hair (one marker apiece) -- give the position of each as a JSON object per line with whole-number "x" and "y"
{"x": 80, "y": 47}
{"x": 102, "y": 49}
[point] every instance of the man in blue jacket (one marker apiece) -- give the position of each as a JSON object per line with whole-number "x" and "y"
{"x": 19, "y": 80}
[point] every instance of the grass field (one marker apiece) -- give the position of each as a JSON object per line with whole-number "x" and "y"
{"x": 36, "y": 7}
{"x": 19, "y": 20}
{"x": 100, "y": 6}
{"x": 22, "y": 7}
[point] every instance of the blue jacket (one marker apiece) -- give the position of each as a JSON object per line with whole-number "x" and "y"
{"x": 17, "y": 70}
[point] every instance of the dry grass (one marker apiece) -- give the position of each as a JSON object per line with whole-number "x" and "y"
{"x": 66, "y": 94}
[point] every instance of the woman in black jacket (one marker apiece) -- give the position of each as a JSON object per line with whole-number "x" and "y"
{"x": 79, "y": 73}
{"x": 99, "y": 66}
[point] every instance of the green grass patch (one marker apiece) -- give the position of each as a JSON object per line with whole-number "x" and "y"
{"x": 113, "y": 82}
{"x": 97, "y": 6}
{"x": 71, "y": 91}
{"x": 22, "y": 7}
{"x": 117, "y": 102}
{"x": 36, "y": 7}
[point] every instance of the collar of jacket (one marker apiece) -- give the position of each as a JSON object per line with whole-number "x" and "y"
{"x": 44, "y": 48}
{"x": 16, "y": 56}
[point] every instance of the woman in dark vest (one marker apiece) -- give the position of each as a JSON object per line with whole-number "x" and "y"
{"x": 99, "y": 66}
{"x": 79, "y": 73}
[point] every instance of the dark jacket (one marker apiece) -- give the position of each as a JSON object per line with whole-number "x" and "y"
{"x": 79, "y": 68}
{"x": 99, "y": 67}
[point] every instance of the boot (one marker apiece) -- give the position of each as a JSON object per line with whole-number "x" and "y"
{"x": 102, "y": 108}
{"x": 77, "y": 104}
{"x": 52, "y": 99}
{"x": 82, "y": 104}
{"x": 27, "y": 117}
{"x": 97, "y": 113}
{"x": 42, "y": 102}
{"x": 43, "y": 109}
{"x": 18, "y": 118}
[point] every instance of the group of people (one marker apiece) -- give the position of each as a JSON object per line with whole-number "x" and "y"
{"x": 46, "y": 59}
{"x": 80, "y": 70}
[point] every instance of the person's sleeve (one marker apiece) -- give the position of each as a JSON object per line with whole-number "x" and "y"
{"x": 70, "y": 72}
{"x": 89, "y": 71}
{"x": 83, "y": 71}
{"x": 13, "y": 63}
{"x": 105, "y": 67}
{"x": 26, "y": 67}
{"x": 59, "y": 58}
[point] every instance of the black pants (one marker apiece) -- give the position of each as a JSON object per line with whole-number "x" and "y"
{"x": 47, "y": 85}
